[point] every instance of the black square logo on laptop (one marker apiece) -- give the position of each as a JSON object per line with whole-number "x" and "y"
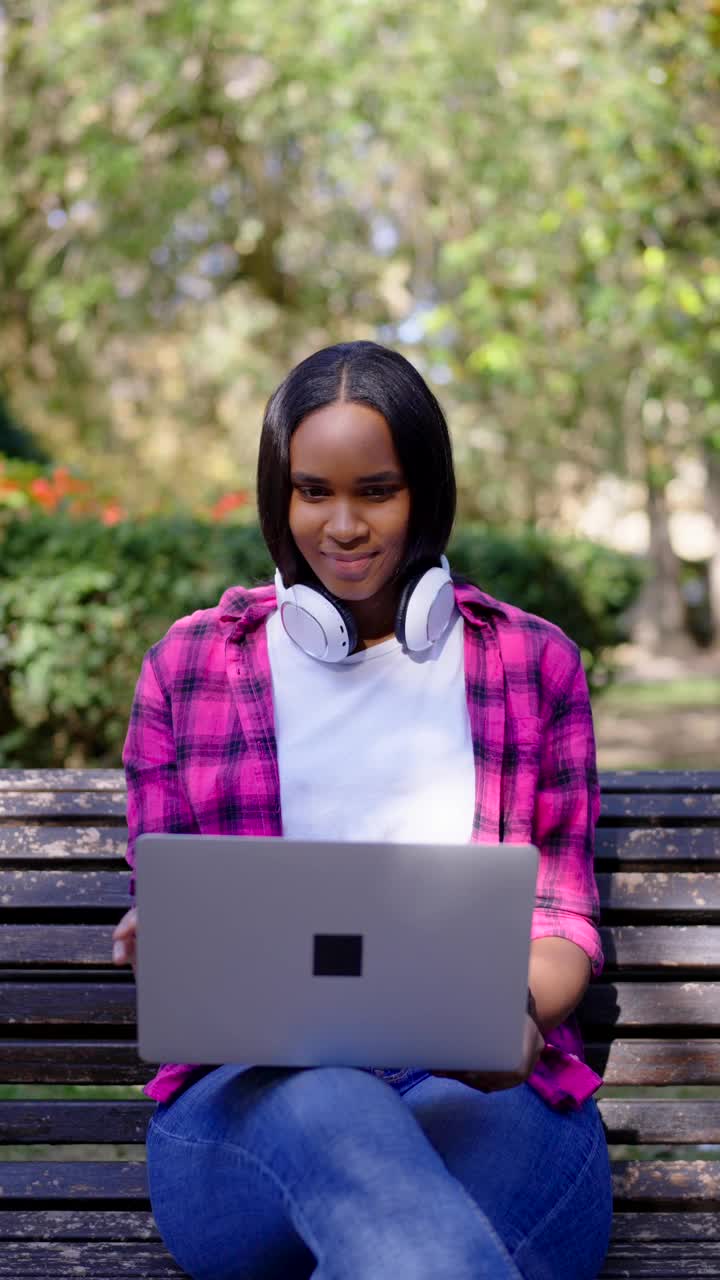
{"x": 337, "y": 955}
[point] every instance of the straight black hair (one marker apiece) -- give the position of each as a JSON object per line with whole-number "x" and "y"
{"x": 364, "y": 373}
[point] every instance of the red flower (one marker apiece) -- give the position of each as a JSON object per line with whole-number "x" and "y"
{"x": 228, "y": 502}
{"x": 113, "y": 513}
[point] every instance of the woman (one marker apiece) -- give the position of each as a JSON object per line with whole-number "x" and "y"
{"x": 251, "y": 721}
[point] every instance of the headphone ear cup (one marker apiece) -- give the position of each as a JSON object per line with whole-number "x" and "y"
{"x": 402, "y": 608}
{"x": 425, "y": 608}
{"x": 345, "y": 615}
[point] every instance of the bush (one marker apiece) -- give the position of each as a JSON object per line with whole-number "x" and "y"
{"x": 585, "y": 588}
{"x": 80, "y": 602}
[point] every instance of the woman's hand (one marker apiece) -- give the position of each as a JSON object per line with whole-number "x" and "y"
{"x": 489, "y": 1081}
{"x": 124, "y": 939}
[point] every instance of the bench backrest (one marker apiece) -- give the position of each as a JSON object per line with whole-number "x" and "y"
{"x": 67, "y": 1016}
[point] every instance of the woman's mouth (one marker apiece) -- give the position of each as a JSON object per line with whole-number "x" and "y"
{"x": 350, "y": 568}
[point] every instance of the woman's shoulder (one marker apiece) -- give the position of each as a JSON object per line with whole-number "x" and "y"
{"x": 238, "y": 610}
{"x": 529, "y": 634}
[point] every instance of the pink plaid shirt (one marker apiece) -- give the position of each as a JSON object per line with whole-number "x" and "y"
{"x": 201, "y": 756}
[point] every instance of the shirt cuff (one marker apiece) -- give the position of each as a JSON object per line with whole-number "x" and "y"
{"x": 576, "y": 928}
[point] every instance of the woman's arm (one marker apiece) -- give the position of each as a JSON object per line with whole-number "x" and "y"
{"x": 559, "y": 974}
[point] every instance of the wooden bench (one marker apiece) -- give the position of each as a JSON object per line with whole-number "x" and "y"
{"x": 67, "y": 1016}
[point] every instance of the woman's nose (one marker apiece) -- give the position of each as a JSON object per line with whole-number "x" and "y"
{"x": 345, "y": 522}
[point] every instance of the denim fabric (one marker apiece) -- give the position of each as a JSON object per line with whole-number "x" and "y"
{"x": 269, "y": 1174}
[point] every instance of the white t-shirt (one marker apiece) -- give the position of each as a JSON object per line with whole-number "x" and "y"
{"x": 377, "y": 746}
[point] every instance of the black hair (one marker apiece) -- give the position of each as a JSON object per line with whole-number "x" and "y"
{"x": 364, "y": 373}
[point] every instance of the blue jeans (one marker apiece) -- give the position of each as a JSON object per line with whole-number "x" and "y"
{"x": 269, "y": 1174}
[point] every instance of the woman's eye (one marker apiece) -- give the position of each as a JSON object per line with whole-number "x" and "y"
{"x": 379, "y": 492}
{"x": 311, "y": 491}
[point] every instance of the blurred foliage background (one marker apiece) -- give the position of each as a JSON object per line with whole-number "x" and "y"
{"x": 522, "y": 197}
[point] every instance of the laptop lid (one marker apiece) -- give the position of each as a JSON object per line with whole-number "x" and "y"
{"x": 296, "y": 953}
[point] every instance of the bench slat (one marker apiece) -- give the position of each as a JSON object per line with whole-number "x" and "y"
{"x": 655, "y": 1062}
{"x": 656, "y": 891}
{"x": 662, "y": 780}
{"x": 53, "y": 844}
{"x": 622, "y": 1062}
{"x": 647, "y": 1004}
{"x": 150, "y": 1261}
{"x": 133, "y": 1224}
{"x": 618, "y": 845}
{"x": 95, "y": 1260}
{"x": 62, "y": 780}
{"x": 660, "y": 947}
{"x": 615, "y": 845}
{"x": 654, "y": 1120}
{"x": 611, "y": 780}
{"x": 631, "y": 1121}
{"x": 661, "y": 1262}
{"x": 48, "y": 805}
{"x": 623, "y": 891}
{"x": 616, "y": 808}
{"x": 71, "y": 1224}
{"x": 669, "y": 1183}
{"x": 652, "y": 947}
{"x": 665, "y": 1226}
{"x": 64, "y": 1120}
{"x": 51, "y": 1061}
{"x": 682, "y": 809}
{"x": 619, "y": 1005}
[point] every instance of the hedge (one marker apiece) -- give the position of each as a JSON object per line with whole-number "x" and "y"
{"x": 80, "y": 602}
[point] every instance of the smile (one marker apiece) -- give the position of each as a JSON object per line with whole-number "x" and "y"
{"x": 349, "y": 566}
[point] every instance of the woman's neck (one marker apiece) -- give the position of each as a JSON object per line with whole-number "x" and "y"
{"x": 375, "y": 618}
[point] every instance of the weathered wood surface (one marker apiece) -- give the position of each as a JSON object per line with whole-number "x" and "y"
{"x": 665, "y": 780}
{"x": 649, "y": 947}
{"x": 631, "y": 1121}
{"x": 617, "y": 807}
{"x": 65, "y": 1120}
{"x": 670, "y": 947}
{"x": 662, "y": 1262}
{"x": 42, "y": 842}
{"x": 691, "y": 892}
{"x": 641, "y": 1245}
{"x": 666, "y": 1226}
{"x": 111, "y": 1061}
{"x": 654, "y": 1120}
{"x": 658, "y": 807}
{"x": 62, "y": 780}
{"x": 655, "y": 1062}
{"x": 90, "y": 1261}
{"x": 61, "y": 1260}
{"x": 620, "y": 1004}
{"x": 668, "y": 1184}
{"x": 615, "y": 846}
{"x": 79, "y": 1224}
{"x": 625, "y": 780}
{"x": 72, "y": 1061}
{"x": 647, "y": 1004}
{"x": 50, "y": 805}
{"x": 134, "y": 1224}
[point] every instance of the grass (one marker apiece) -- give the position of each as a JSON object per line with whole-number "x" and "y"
{"x": 695, "y": 693}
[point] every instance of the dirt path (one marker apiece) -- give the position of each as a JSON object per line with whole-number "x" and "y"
{"x": 674, "y": 737}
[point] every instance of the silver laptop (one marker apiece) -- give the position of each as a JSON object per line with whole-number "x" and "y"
{"x": 296, "y": 953}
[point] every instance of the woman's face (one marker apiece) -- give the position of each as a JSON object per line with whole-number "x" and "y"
{"x": 350, "y": 504}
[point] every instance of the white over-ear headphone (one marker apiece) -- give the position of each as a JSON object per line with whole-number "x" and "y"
{"x": 324, "y": 627}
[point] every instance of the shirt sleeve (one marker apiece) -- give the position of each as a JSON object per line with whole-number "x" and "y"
{"x": 156, "y": 799}
{"x": 566, "y": 811}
